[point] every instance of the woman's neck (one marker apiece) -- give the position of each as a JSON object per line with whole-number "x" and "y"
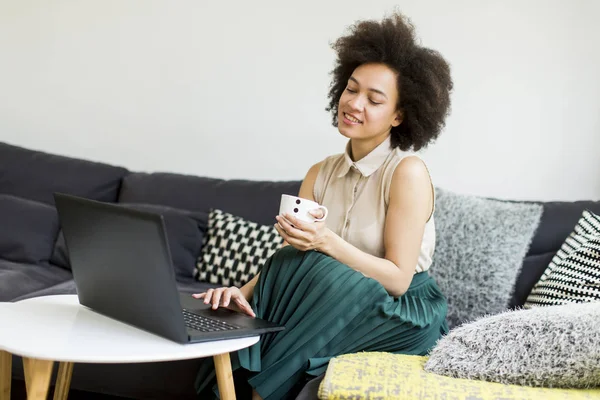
{"x": 360, "y": 148}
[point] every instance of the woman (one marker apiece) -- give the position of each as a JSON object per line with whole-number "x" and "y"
{"x": 357, "y": 281}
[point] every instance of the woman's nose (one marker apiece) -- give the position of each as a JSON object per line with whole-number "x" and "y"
{"x": 356, "y": 103}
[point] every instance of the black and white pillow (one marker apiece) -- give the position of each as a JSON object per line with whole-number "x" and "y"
{"x": 573, "y": 275}
{"x": 234, "y": 249}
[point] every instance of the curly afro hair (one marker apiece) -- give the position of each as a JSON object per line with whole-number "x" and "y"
{"x": 424, "y": 81}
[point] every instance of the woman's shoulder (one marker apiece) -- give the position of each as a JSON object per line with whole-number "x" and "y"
{"x": 333, "y": 159}
{"x": 328, "y": 164}
{"x": 410, "y": 163}
{"x": 407, "y": 164}
{"x": 320, "y": 174}
{"x": 406, "y": 170}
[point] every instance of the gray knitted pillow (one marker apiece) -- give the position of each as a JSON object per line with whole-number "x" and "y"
{"x": 554, "y": 346}
{"x": 480, "y": 247}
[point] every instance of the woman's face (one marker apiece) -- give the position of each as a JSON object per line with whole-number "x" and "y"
{"x": 367, "y": 107}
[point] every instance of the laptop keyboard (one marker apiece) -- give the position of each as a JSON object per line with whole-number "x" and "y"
{"x": 205, "y": 324}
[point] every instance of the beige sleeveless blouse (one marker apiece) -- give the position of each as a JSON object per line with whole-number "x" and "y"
{"x": 357, "y": 197}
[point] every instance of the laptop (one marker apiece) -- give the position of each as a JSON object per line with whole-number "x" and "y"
{"x": 122, "y": 268}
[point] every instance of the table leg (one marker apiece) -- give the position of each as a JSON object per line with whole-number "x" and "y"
{"x": 27, "y": 375}
{"x": 63, "y": 381}
{"x": 224, "y": 376}
{"x": 37, "y": 377}
{"x": 5, "y": 374}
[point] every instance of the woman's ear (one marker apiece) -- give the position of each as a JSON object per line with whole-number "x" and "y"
{"x": 398, "y": 119}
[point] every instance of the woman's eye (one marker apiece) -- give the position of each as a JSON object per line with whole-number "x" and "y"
{"x": 350, "y": 90}
{"x": 373, "y": 102}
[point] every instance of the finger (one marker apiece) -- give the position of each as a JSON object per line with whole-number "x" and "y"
{"x": 281, "y": 220}
{"x": 317, "y": 213}
{"x": 286, "y": 237}
{"x": 292, "y": 236}
{"x": 299, "y": 224}
{"x": 286, "y": 220}
{"x": 244, "y": 306}
{"x": 291, "y": 230}
{"x": 226, "y": 298}
{"x": 296, "y": 243}
{"x": 299, "y": 241}
{"x": 283, "y": 233}
{"x": 216, "y": 299}
{"x": 198, "y": 295}
{"x": 208, "y": 296}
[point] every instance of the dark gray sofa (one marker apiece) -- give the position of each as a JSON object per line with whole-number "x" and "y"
{"x": 33, "y": 263}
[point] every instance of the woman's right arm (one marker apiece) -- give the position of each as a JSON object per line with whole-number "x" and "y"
{"x": 248, "y": 289}
{"x": 306, "y": 192}
{"x": 222, "y": 297}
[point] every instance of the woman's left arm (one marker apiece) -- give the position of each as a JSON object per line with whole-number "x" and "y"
{"x": 410, "y": 206}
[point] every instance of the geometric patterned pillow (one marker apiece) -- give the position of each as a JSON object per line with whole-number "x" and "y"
{"x": 573, "y": 276}
{"x": 234, "y": 249}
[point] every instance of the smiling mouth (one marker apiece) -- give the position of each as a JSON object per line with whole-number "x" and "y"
{"x": 352, "y": 119}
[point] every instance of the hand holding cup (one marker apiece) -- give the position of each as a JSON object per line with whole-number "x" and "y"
{"x": 301, "y": 223}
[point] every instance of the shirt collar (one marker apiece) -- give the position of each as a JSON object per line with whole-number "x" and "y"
{"x": 369, "y": 163}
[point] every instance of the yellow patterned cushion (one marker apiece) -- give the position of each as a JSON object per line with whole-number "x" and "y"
{"x": 374, "y": 375}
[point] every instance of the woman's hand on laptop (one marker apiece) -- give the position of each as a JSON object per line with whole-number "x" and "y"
{"x": 231, "y": 298}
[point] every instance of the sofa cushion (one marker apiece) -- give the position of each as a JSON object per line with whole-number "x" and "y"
{"x": 235, "y": 249}
{"x": 36, "y": 175}
{"x": 185, "y": 231}
{"x": 480, "y": 247}
{"x": 555, "y": 346}
{"x": 257, "y": 201}
{"x": 17, "y": 279}
{"x": 557, "y": 222}
{"x": 588, "y": 226}
{"x": 27, "y": 230}
{"x": 375, "y": 375}
{"x": 532, "y": 269}
{"x": 558, "y": 219}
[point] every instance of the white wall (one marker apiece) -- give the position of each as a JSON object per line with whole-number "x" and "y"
{"x": 237, "y": 89}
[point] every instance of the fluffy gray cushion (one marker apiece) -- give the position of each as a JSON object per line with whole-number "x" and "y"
{"x": 555, "y": 346}
{"x": 480, "y": 246}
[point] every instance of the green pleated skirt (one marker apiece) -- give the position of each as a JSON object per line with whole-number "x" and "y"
{"x": 327, "y": 309}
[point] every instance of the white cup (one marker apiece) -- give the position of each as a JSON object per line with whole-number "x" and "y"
{"x": 300, "y": 208}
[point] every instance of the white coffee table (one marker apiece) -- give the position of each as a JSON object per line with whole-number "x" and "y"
{"x": 57, "y": 328}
